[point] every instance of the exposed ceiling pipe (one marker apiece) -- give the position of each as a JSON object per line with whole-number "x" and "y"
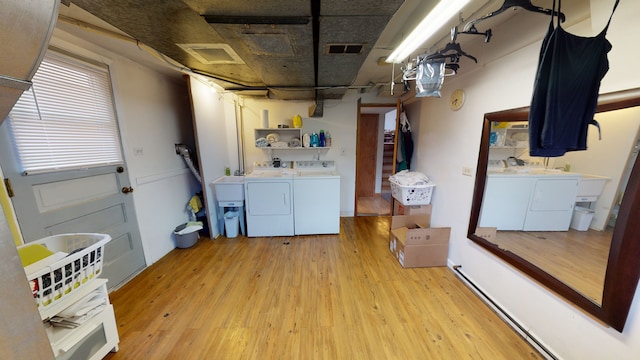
{"x": 240, "y": 136}
{"x": 316, "y": 109}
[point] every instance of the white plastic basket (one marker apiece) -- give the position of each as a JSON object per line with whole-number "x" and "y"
{"x": 412, "y": 195}
{"x": 50, "y": 284}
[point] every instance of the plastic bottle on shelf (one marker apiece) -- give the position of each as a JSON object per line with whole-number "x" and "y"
{"x": 327, "y": 139}
{"x": 321, "y": 140}
{"x": 297, "y": 121}
{"x": 314, "y": 140}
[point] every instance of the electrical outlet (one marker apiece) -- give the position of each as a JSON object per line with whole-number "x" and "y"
{"x": 467, "y": 171}
{"x": 138, "y": 151}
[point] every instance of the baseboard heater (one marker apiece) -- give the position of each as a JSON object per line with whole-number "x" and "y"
{"x": 505, "y": 316}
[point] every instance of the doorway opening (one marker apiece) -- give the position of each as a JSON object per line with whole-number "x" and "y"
{"x": 375, "y": 158}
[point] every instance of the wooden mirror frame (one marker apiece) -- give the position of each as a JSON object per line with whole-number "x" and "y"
{"x": 623, "y": 267}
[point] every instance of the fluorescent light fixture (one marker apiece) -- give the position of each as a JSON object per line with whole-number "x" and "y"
{"x": 436, "y": 18}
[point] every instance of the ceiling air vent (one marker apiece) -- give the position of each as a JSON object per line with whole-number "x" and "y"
{"x": 212, "y": 53}
{"x": 344, "y": 49}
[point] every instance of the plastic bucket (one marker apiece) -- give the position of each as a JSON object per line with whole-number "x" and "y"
{"x": 186, "y": 240}
{"x": 231, "y": 223}
{"x": 187, "y": 234}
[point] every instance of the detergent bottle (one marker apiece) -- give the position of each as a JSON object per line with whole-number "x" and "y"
{"x": 297, "y": 121}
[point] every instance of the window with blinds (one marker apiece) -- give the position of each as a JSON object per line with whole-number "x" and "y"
{"x": 67, "y": 119}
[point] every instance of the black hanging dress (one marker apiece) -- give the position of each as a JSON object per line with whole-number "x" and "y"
{"x": 565, "y": 93}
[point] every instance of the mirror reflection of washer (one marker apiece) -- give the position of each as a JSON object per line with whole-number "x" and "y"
{"x": 316, "y": 197}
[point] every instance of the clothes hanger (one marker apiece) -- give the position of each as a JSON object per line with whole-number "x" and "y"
{"x": 447, "y": 53}
{"x": 508, "y": 4}
{"x": 473, "y": 31}
{"x": 453, "y": 67}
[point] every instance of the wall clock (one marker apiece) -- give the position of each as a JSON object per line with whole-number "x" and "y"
{"x": 457, "y": 99}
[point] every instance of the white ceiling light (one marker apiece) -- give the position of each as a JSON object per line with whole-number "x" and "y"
{"x": 436, "y": 18}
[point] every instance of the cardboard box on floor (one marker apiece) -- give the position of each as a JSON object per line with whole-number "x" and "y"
{"x": 415, "y": 244}
{"x": 399, "y": 209}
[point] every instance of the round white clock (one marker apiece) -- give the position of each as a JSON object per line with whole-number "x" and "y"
{"x": 457, "y": 99}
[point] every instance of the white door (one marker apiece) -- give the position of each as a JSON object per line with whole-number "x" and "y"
{"x": 71, "y": 201}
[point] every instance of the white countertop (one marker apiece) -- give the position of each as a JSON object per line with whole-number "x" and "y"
{"x": 527, "y": 171}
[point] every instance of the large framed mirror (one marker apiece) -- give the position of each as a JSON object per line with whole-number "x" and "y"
{"x": 570, "y": 223}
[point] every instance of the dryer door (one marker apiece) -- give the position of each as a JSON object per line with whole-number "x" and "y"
{"x": 269, "y": 208}
{"x": 268, "y": 198}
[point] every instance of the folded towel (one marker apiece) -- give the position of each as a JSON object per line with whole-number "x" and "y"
{"x": 195, "y": 204}
{"x": 272, "y": 138}
{"x": 407, "y": 178}
{"x": 262, "y": 142}
{"x": 279, "y": 144}
{"x": 295, "y": 142}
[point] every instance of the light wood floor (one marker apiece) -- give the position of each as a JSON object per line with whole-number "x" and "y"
{"x": 577, "y": 258}
{"x": 305, "y": 297}
{"x": 373, "y": 206}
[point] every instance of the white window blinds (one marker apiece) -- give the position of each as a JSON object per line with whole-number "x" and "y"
{"x": 66, "y": 120}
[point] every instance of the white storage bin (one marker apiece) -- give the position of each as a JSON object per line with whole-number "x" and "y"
{"x": 581, "y": 218}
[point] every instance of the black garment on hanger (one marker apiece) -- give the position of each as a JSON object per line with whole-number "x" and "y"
{"x": 565, "y": 93}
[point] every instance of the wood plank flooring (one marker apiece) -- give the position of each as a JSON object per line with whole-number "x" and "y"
{"x": 305, "y": 297}
{"x": 577, "y": 258}
{"x": 373, "y": 206}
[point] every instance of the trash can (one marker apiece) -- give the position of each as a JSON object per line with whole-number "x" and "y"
{"x": 581, "y": 218}
{"x": 187, "y": 234}
{"x": 231, "y": 223}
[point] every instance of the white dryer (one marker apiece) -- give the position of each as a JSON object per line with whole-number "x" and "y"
{"x": 269, "y": 201}
{"x": 316, "y": 197}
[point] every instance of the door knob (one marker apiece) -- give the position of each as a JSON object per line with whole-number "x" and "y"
{"x": 127, "y": 189}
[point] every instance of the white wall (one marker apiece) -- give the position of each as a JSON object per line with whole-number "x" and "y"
{"x": 214, "y": 122}
{"x": 153, "y": 115}
{"x": 449, "y": 140}
{"x": 339, "y": 118}
{"x": 607, "y": 157}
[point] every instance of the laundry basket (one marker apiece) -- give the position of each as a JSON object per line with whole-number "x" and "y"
{"x": 76, "y": 260}
{"x": 412, "y": 195}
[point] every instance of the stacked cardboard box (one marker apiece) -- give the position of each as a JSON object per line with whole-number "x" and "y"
{"x": 399, "y": 209}
{"x": 415, "y": 244}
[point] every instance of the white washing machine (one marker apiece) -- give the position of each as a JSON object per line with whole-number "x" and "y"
{"x": 316, "y": 197}
{"x": 269, "y": 201}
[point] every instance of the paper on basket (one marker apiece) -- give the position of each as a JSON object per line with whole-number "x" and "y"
{"x": 41, "y": 264}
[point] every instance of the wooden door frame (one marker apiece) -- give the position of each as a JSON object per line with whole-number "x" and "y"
{"x": 398, "y": 106}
